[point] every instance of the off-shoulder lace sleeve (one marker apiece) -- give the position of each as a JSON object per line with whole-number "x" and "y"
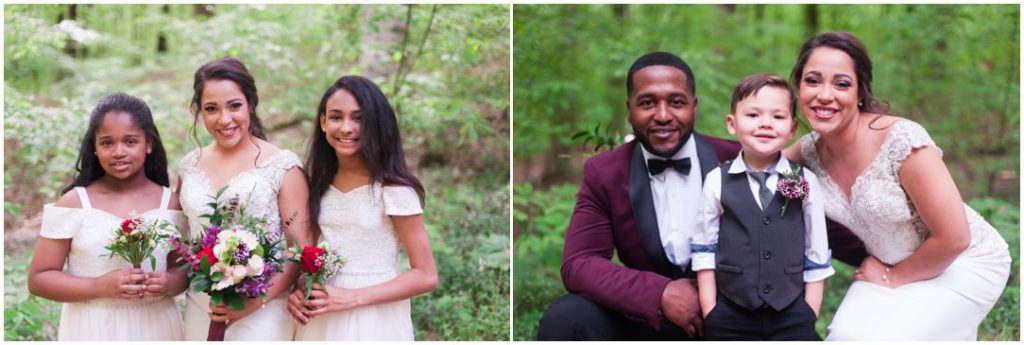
{"x": 807, "y": 150}
{"x": 60, "y": 222}
{"x": 905, "y": 137}
{"x": 280, "y": 164}
{"x": 401, "y": 201}
{"x": 189, "y": 164}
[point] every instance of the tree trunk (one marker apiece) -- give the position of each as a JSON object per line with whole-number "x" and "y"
{"x": 70, "y": 46}
{"x": 811, "y": 16}
{"x": 203, "y": 10}
{"x": 161, "y": 38}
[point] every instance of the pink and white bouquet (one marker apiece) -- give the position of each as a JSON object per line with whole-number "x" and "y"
{"x": 232, "y": 259}
{"x": 319, "y": 263}
{"x": 136, "y": 239}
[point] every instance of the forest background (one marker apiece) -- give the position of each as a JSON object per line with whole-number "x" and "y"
{"x": 445, "y": 69}
{"x": 954, "y": 69}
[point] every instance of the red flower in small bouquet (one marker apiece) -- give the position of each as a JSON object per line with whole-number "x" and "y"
{"x": 232, "y": 259}
{"x": 137, "y": 238}
{"x": 319, "y": 263}
{"x": 792, "y": 185}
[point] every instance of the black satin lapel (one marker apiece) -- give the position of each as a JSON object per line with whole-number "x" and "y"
{"x": 705, "y": 154}
{"x": 644, "y": 216}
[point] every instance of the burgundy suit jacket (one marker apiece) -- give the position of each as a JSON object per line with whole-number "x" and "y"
{"x": 615, "y": 213}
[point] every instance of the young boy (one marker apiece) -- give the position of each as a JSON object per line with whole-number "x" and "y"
{"x": 760, "y": 248}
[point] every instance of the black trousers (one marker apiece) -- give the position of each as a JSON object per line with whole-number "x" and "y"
{"x": 730, "y": 321}
{"x": 573, "y": 317}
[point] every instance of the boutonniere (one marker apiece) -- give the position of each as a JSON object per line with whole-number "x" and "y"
{"x": 793, "y": 186}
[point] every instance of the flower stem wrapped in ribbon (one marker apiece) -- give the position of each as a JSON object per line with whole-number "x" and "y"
{"x": 136, "y": 239}
{"x": 793, "y": 186}
{"x": 319, "y": 263}
{"x": 232, "y": 259}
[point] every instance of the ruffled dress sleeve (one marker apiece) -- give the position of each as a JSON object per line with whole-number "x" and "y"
{"x": 401, "y": 201}
{"x": 60, "y": 222}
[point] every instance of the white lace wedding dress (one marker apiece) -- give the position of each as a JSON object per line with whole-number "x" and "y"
{"x": 947, "y": 307}
{"x": 358, "y": 225}
{"x": 106, "y": 319}
{"x": 257, "y": 189}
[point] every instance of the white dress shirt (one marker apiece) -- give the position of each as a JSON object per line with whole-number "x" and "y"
{"x": 817, "y": 256}
{"x": 676, "y": 199}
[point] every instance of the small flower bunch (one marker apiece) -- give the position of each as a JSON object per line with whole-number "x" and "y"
{"x": 136, "y": 239}
{"x": 234, "y": 256}
{"x": 319, "y": 263}
{"x": 792, "y": 185}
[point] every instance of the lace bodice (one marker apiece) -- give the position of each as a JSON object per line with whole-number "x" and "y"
{"x": 90, "y": 229}
{"x": 257, "y": 189}
{"x": 358, "y": 225}
{"x": 879, "y": 211}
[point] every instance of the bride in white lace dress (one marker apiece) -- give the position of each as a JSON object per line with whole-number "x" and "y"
{"x": 369, "y": 205}
{"x": 268, "y": 181}
{"x": 936, "y": 267}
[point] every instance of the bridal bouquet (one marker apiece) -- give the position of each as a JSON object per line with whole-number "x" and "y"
{"x": 232, "y": 259}
{"x": 136, "y": 239}
{"x": 319, "y": 263}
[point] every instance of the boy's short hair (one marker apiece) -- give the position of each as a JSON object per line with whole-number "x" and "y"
{"x": 753, "y": 83}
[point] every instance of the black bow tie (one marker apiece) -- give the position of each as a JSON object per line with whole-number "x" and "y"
{"x": 657, "y": 166}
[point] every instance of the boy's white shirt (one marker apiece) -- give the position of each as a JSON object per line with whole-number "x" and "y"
{"x": 710, "y": 212}
{"x": 676, "y": 201}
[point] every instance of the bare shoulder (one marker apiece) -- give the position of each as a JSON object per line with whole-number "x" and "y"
{"x": 267, "y": 148}
{"x": 69, "y": 200}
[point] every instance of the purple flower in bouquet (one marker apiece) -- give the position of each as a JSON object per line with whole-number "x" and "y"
{"x": 792, "y": 186}
{"x": 256, "y": 287}
{"x": 210, "y": 237}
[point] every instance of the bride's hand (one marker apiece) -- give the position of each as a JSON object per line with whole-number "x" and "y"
{"x": 332, "y": 299}
{"x": 223, "y": 313}
{"x": 873, "y": 271}
{"x": 297, "y": 307}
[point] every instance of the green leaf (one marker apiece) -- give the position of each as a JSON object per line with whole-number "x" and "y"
{"x": 235, "y": 301}
{"x": 204, "y": 265}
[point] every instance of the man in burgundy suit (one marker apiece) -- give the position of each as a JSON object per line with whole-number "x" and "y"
{"x": 631, "y": 200}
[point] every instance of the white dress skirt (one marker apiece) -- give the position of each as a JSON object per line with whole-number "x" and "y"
{"x": 358, "y": 225}
{"x": 107, "y": 319}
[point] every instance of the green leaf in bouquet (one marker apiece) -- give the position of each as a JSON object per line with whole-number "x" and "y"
{"x": 221, "y": 191}
{"x": 204, "y": 266}
{"x": 217, "y": 276}
{"x": 235, "y": 301}
{"x": 309, "y": 285}
{"x": 200, "y": 283}
{"x": 152, "y": 262}
{"x": 217, "y": 297}
{"x": 258, "y": 251}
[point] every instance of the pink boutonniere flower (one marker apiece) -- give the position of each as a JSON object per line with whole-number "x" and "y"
{"x": 793, "y": 186}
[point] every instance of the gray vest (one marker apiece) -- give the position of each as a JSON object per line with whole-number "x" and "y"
{"x": 760, "y": 256}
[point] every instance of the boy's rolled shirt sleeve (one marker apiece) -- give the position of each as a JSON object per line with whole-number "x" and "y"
{"x": 704, "y": 242}
{"x": 817, "y": 255}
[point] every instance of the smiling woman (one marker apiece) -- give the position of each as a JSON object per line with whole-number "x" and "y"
{"x": 268, "y": 182}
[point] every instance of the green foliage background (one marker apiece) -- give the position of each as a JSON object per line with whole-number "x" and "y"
{"x": 953, "y": 68}
{"x": 445, "y": 68}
